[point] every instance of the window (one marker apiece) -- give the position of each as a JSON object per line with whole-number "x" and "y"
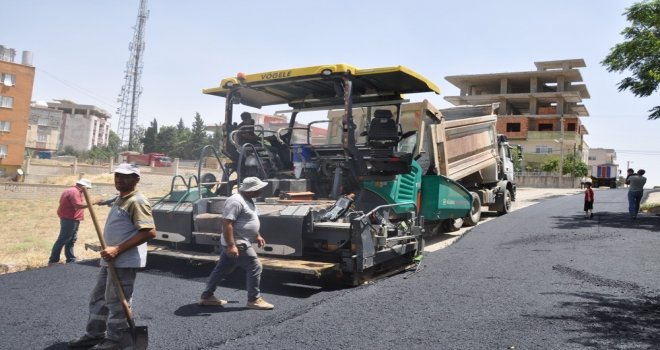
{"x": 43, "y": 121}
{"x": 42, "y": 137}
{"x": 6, "y": 102}
{"x": 3, "y": 151}
{"x": 543, "y": 149}
{"x": 570, "y": 127}
{"x": 5, "y": 126}
{"x": 3, "y": 172}
{"x": 545, "y": 127}
{"x": 7, "y": 79}
{"x": 512, "y": 127}
{"x": 592, "y": 157}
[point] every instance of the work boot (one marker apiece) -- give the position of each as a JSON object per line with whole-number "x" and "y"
{"x": 106, "y": 344}
{"x": 84, "y": 342}
{"x": 211, "y": 301}
{"x": 260, "y": 304}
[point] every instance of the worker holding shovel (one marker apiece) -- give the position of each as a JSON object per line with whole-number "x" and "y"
{"x": 128, "y": 227}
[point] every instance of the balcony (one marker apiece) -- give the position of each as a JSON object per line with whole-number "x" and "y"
{"x": 553, "y": 135}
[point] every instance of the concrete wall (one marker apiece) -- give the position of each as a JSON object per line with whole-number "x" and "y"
{"x": 154, "y": 182}
{"x": 78, "y": 131}
{"x": 547, "y": 182}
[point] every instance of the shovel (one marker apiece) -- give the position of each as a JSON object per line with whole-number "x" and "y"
{"x": 139, "y": 336}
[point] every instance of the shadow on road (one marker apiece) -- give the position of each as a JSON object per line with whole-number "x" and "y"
{"x": 613, "y": 322}
{"x": 194, "y": 310}
{"x": 272, "y": 282}
{"x": 646, "y": 222}
{"x": 57, "y": 346}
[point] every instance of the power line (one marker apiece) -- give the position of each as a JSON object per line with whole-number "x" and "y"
{"x": 77, "y": 87}
{"x": 639, "y": 152}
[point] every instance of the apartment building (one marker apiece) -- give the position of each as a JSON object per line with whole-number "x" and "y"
{"x": 16, "y": 81}
{"x": 83, "y": 126}
{"x": 43, "y": 131}
{"x": 539, "y": 109}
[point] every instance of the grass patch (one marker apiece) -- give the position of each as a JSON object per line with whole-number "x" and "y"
{"x": 29, "y": 229}
{"x": 647, "y": 207}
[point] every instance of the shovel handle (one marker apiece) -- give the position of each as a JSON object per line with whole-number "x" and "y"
{"x": 111, "y": 267}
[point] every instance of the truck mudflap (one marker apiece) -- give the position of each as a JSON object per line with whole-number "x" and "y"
{"x": 304, "y": 267}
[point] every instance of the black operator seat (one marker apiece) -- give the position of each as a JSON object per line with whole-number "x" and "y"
{"x": 383, "y": 131}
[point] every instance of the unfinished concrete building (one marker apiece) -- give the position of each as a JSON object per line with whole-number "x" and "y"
{"x": 539, "y": 109}
{"x": 83, "y": 126}
{"x": 43, "y": 131}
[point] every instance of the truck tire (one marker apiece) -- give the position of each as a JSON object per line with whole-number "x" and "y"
{"x": 452, "y": 225}
{"x": 505, "y": 204}
{"x": 475, "y": 213}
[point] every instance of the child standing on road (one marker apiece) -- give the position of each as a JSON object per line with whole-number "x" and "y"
{"x": 588, "y": 201}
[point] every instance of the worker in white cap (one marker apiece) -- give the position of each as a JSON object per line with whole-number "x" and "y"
{"x": 71, "y": 212}
{"x": 240, "y": 229}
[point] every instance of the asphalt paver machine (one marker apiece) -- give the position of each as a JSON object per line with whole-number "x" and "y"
{"x": 345, "y": 204}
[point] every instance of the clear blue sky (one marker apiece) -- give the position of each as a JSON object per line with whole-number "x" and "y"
{"x": 81, "y": 48}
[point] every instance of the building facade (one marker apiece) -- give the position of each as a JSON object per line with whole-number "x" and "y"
{"x": 539, "y": 110}
{"x": 83, "y": 126}
{"x": 44, "y": 128}
{"x": 16, "y": 81}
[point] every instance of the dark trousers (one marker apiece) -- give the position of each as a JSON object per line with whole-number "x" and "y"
{"x": 66, "y": 239}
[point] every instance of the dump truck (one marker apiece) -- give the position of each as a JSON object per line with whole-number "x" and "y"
{"x": 605, "y": 175}
{"x": 352, "y": 206}
{"x": 459, "y": 143}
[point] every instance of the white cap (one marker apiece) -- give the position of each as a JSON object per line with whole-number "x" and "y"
{"x": 251, "y": 184}
{"x": 84, "y": 182}
{"x": 127, "y": 169}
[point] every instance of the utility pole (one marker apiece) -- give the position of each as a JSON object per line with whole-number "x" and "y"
{"x": 561, "y": 148}
{"x": 129, "y": 97}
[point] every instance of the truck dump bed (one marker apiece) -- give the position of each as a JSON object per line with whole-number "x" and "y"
{"x": 463, "y": 138}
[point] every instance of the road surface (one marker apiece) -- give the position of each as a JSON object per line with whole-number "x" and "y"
{"x": 542, "y": 277}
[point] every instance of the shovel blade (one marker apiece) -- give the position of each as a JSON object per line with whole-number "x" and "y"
{"x": 136, "y": 339}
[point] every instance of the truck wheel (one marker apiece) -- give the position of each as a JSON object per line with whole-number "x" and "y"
{"x": 505, "y": 205}
{"x": 475, "y": 213}
{"x": 452, "y": 225}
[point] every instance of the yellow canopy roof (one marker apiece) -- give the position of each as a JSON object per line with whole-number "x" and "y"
{"x": 314, "y": 86}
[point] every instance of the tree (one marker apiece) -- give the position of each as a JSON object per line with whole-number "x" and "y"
{"x": 150, "y": 137}
{"x": 574, "y": 166}
{"x": 114, "y": 143}
{"x": 550, "y": 165}
{"x": 138, "y": 135}
{"x": 198, "y": 137}
{"x": 98, "y": 154}
{"x": 69, "y": 151}
{"x": 167, "y": 141}
{"x": 516, "y": 158}
{"x": 640, "y": 52}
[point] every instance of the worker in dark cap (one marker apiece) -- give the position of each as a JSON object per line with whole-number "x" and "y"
{"x": 246, "y": 134}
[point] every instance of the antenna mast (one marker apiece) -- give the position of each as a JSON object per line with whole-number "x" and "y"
{"x": 129, "y": 97}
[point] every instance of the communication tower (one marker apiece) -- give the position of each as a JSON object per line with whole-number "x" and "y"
{"x": 129, "y": 97}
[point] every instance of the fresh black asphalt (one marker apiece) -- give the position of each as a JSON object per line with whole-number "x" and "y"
{"x": 542, "y": 277}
